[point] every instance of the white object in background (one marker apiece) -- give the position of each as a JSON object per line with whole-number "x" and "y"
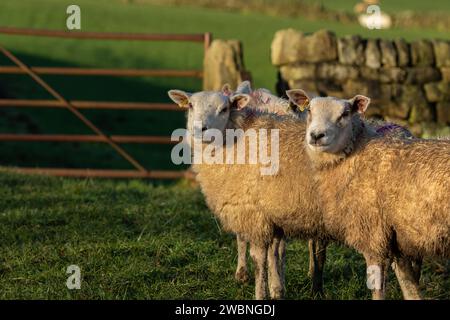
{"x": 375, "y": 18}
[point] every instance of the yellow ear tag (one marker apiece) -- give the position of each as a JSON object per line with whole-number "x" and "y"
{"x": 184, "y": 105}
{"x": 304, "y": 105}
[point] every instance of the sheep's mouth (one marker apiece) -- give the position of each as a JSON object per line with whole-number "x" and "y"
{"x": 319, "y": 147}
{"x": 319, "y": 143}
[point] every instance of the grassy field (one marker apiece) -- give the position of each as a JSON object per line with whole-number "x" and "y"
{"x": 254, "y": 30}
{"x": 134, "y": 240}
{"x": 391, "y": 6}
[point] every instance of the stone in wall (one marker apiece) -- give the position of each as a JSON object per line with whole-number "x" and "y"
{"x": 445, "y": 72}
{"x": 443, "y": 112}
{"x": 392, "y": 104}
{"x": 442, "y": 53}
{"x": 414, "y": 97}
{"x": 298, "y": 71}
{"x": 388, "y": 53}
{"x": 387, "y": 92}
{"x": 330, "y": 88}
{"x": 365, "y": 87}
{"x": 223, "y": 64}
{"x": 337, "y": 72}
{"x": 422, "y": 53}
{"x": 419, "y": 75}
{"x": 351, "y": 50}
{"x": 396, "y": 110}
{"x": 309, "y": 86}
{"x": 373, "y": 54}
{"x": 321, "y": 46}
{"x": 409, "y": 102}
{"x": 290, "y": 46}
{"x": 437, "y": 91}
{"x": 375, "y": 109}
{"x": 384, "y": 75}
{"x": 286, "y": 47}
{"x": 403, "y": 52}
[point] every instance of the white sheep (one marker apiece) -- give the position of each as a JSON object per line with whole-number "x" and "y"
{"x": 212, "y": 109}
{"x": 384, "y": 197}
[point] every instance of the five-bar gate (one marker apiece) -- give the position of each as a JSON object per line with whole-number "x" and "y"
{"x": 75, "y": 106}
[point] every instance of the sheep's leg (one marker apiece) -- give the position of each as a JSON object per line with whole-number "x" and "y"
{"x": 317, "y": 257}
{"x": 241, "y": 274}
{"x": 274, "y": 267}
{"x": 407, "y": 277}
{"x": 376, "y": 280}
{"x": 259, "y": 256}
{"x": 417, "y": 269}
{"x": 312, "y": 258}
{"x": 282, "y": 262}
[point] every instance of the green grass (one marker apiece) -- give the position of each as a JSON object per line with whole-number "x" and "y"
{"x": 134, "y": 240}
{"x": 254, "y": 30}
{"x": 391, "y": 6}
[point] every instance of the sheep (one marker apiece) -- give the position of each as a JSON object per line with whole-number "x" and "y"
{"x": 317, "y": 247}
{"x": 355, "y": 173}
{"x": 213, "y": 110}
{"x": 200, "y": 104}
{"x": 233, "y": 192}
{"x": 263, "y": 100}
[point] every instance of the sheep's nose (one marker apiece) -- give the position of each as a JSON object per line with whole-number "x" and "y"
{"x": 315, "y": 137}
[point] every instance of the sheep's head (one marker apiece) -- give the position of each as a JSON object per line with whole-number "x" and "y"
{"x": 208, "y": 109}
{"x": 331, "y": 122}
{"x": 263, "y": 100}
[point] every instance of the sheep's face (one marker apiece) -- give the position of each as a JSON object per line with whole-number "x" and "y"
{"x": 207, "y": 109}
{"x": 330, "y": 122}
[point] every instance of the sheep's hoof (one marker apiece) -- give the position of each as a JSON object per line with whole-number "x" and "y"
{"x": 276, "y": 293}
{"x": 317, "y": 292}
{"x": 241, "y": 276}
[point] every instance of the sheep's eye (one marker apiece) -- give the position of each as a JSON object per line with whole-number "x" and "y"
{"x": 345, "y": 114}
{"x": 190, "y": 105}
{"x": 223, "y": 110}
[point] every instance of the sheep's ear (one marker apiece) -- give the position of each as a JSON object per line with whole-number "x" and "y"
{"x": 359, "y": 103}
{"x": 226, "y": 90}
{"x": 298, "y": 97}
{"x": 265, "y": 95}
{"x": 240, "y": 100}
{"x": 244, "y": 87}
{"x": 181, "y": 98}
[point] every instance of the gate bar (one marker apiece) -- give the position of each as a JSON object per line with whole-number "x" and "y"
{"x": 69, "y": 106}
{"x": 81, "y": 104}
{"x": 103, "y": 35}
{"x": 104, "y": 72}
{"x": 105, "y": 173}
{"x": 85, "y": 138}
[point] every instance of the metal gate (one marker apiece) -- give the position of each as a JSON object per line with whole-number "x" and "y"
{"x": 74, "y": 106}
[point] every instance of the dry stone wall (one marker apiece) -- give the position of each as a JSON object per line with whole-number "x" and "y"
{"x": 223, "y": 64}
{"x": 409, "y": 83}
